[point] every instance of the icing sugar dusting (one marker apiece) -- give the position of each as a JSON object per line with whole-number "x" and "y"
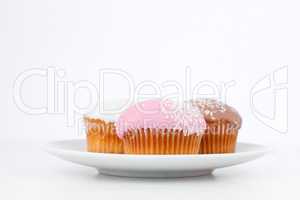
{"x": 209, "y": 107}
{"x": 187, "y": 116}
{"x": 162, "y": 114}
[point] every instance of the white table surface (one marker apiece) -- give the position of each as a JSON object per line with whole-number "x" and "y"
{"x": 29, "y": 173}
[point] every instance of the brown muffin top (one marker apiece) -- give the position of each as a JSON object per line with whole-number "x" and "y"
{"x": 214, "y": 110}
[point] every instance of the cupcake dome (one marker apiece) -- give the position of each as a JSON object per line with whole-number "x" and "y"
{"x": 214, "y": 110}
{"x": 161, "y": 114}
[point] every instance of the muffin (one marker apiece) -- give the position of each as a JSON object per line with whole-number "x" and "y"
{"x": 223, "y": 123}
{"x": 161, "y": 127}
{"x": 101, "y": 136}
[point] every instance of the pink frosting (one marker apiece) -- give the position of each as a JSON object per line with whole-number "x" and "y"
{"x": 161, "y": 115}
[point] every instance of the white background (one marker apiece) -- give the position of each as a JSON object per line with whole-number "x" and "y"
{"x": 221, "y": 41}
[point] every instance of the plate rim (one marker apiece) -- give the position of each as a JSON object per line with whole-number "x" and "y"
{"x": 52, "y": 146}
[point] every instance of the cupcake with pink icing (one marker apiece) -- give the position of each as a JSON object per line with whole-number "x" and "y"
{"x": 161, "y": 127}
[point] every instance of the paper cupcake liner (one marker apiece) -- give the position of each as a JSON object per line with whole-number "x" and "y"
{"x": 102, "y": 137}
{"x": 158, "y": 141}
{"x": 219, "y": 137}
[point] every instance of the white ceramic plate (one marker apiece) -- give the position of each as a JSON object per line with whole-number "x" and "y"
{"x": 153, "y": 165}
